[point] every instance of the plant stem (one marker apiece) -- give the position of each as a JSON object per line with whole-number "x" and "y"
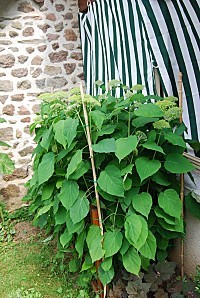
{"x": 115, "y": 214}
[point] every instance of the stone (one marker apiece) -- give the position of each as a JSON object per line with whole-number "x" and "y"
{"x": 14, "y": 49}
{"x": 69, "y": 46}
{"x": 6, "y": 85}
{"x": 2, "y": 34}
{"x": 76, "y": 56}
{"x": 68, "y": 16}
{"x": 26, "y": 151}
{"x": 2, "y": 49}
{"x": 52, "y": 36}
{"x": 25, "y": 7}
{"x": 11, "y": 191}
{"x": 40, "y": 83}
{"x": 23, "y": 111}
{"x": 27, "y": 129}
{"x": 22, "y": 59}
{"x": 9, "y": 110}
{"x": 25, "y": 161}
{"x": 33, "y": 17}
{"x": 17, "y": 97}
{"x": 24, "y": 85}
{"x": 36, "y": 108}
{"x": 18, "y": 134}
{"x": 36, "y": 72}
{"x": 12, "y": 121}
{"x": 3, "y": 98}
{"x": 5, "y": 42}
{"x": 44, "y": 27}
{"x": 51, "y": 17}
{"x": 57, "y": 82}
{"x": 37, "y": 60}
{"x": 59, "y": 27}
{"x": 55, "y": 46}
{"x": 69, "y": 67}
{"x": 13, "y": 33}
{"x": 81, "y": 76}
{"x": 29, "y": 31}
{"x": 6, "y": 134}
{"x": 2, "y": 26}
{"x": 7, "y": 61}
{"x": 52, "y": 70}
{"x": 58, "y": 56}
{"x": 16, "y": 25}
{"x": 19, "y": 72}
{"x": 70, "y": 35}
{"x": 43, "y": 8}
{"x": 30, "y": 50}
{"x": 75, "y": 24}
{"x": 31, "y": 41}
{"x": 39, "y": 1}
{"x": 42, "y": 48}
{"x": 19, "y": 173}
{"x": 26, "y": 119}
{"x": 59, "y": 7}
{"x": 73, "y": 80}
{"x": 2, "y": 74}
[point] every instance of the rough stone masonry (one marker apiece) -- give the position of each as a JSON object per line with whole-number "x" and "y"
{"x": 39, "y": 52}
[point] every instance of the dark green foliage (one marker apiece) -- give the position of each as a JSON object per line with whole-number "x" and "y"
{"x": 137, "y": 156}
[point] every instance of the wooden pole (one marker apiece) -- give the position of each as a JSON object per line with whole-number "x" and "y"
{"x": 99, "y": 219}
{"x": 180, "y": 95}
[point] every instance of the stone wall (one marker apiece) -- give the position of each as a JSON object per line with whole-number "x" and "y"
{"x": 39, "y": 52}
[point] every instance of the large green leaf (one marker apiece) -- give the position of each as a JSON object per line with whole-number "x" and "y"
{"x": 47, "y": 138}
{"x": 105, "y": 146}
{"x": 61, "y": 216}
{"x": 175, "y": 139}
{"x": 141, "y": 121}
{"x": 4, "y": 144}
{"x": 144, "y": 233}
{"x": 124, "y": 146}
{"x": 65, "y": 131}
{"x": 75, "y": 161}
{"x": 161, "y": 214}
{"x": 176, "y": 163}
{"x": 148, "y": 250}
{"x": 192, "y": 205}
{"x": 133, "y": 228}
{"x": 146, "y": 167}
{"x": 70, "y": 130}
{"x": 111, "y": 182}
{"x": 170, "y": 202}
{"x": 69, "y": 193}
{"x": 106, "y": 264}
{"x": 142, "y": 203}
{"x": 177, "y": 227}
{"x": 46, "y": 167}
{"x": 161, "y": 178}
{"x": 112, "y": 242}
{"x": 106, "y": 276}
{"x": 74, "y": 228}
{"x": 6, "y": 164}
{"x": 59, "y": 128}
{"x": 149, "y": 110}
{"x": 132, "y": 261}
{"x": 79, "y": 245}
{"x": 82, "y": 168}
{"x": 65, "y": 238}
{"x": 47, "y": 191}
{"x": 94, "y": 243}
{"x": 80, "y": 208}
{"x": 98, "y": 118}
{"x": 44, "y": 209}
{"x": 153, "y": 146}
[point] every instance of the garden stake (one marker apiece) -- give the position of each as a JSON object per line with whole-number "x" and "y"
{"x": 180, "y": 95}
{"x": 99, "y": 218}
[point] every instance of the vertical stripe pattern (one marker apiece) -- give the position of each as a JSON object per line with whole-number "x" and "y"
{"x": 125, "y": 39}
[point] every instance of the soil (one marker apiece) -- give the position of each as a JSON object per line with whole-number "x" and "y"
{"x": 25, "y": 231}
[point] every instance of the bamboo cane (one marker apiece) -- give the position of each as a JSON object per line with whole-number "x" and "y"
{"x": 180, "y": 95}
{"x": 93, "y": 169}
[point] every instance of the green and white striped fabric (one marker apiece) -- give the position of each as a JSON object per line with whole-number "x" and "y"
{"x": 126, "y": 39}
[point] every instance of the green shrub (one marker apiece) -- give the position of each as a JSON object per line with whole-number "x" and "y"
{"x": 138, "y": 147}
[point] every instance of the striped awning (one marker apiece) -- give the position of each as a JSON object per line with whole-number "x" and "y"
{"x": 127, "y": 39}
